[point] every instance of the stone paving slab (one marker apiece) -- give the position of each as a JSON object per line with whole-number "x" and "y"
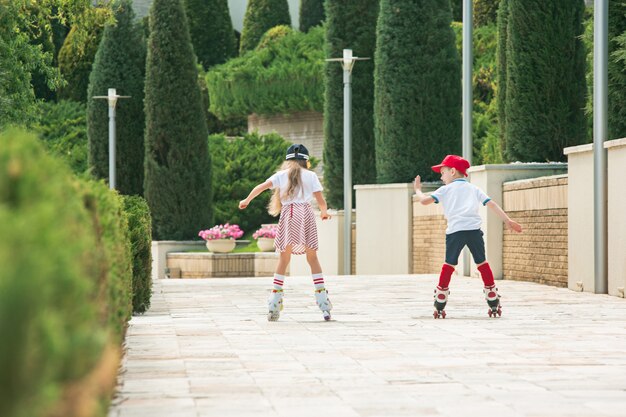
{"x": 205, "y": 348}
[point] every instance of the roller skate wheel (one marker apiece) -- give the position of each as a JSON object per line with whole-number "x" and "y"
{"x": 326, "y": 315}
{"x": 273, "y": 316}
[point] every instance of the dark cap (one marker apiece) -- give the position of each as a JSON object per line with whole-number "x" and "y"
{"x": 297, "y": 152}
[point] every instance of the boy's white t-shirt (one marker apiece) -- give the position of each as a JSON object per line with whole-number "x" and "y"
{"x": 461, "y": 201}
{"x": 310, "y": 184}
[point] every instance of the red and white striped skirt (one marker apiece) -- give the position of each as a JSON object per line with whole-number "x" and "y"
{"x": 296, "y": 227}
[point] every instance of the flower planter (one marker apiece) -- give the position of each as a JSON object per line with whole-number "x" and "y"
{"x": 265, "y": 244}
{"x": 221, "y": 245}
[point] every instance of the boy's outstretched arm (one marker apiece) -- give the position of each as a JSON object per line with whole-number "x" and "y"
{"x": 255, "y": 192}
{"x": 510, "y": 224}
{"x": 423, "y": 198}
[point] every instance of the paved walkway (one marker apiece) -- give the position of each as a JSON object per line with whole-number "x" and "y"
{"x": 206, "y": 349}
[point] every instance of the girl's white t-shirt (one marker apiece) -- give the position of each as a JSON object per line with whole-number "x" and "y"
{"x": 461, "y": 201}
{"x": 310, "y": 184}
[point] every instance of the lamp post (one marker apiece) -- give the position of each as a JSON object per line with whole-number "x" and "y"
{"x": 467, "y": 99}
{"x": 347, "y": 63}
{"x": 112, "y": 99}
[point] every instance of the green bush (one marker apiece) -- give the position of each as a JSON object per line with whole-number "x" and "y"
{"x": 349, "y": 25}
{"x": 284, "y": 77}
{"x": 140, "y": 229}
{"x": 239, "y": 165}
{"x": 177, "y": 182}
{"x": 311, "y": 14}
{"x": 113, "y": 263}
{"x": 62, "y": 127}
{"x": 49, "y": 311}
{"x": 262, "y": 15}
{"x": 417, "y": 81}
{"x": 485, "y": 12}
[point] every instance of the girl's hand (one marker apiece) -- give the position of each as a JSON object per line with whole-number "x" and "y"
{"x": 511, "y": 225}
{"x": 243, "y": 204}
{"x": 324, "y": 215}
{"x": 417, "y": 185}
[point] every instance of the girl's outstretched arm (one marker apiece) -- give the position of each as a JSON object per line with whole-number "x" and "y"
{"x": 255, "y": 192}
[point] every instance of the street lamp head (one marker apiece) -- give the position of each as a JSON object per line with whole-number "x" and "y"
{"x": 347, "y": 61}
{"x": 112, "y": 97}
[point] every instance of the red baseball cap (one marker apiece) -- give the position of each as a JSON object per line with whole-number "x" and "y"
{"x": 453, "y": 161}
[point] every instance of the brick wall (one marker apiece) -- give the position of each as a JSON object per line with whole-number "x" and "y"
{"x": 306, "y": 128}
{"x": 429, "y": 238}
{"x": 539, "y": 254}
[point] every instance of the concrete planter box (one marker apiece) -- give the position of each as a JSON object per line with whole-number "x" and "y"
{"x": 160, "y": 248}
{"x": 221, "y": 265}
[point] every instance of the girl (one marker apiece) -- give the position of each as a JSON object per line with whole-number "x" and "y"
{"x": 293, "y": 186}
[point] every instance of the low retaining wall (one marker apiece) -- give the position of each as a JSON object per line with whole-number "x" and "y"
{"x": 221, "y": 265}
{"x": 429, "y": 238}
{"x": 539, "y": 254}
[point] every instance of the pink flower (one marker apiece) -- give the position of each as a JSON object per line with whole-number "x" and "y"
{"x": 267, "y": 231}
{"x": 222, "y": 231}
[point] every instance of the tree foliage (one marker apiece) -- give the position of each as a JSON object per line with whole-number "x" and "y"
{"x": 262, "y": 15}
{"x": 119, "y": 63}
{"x": 350, "y": 25}
{"x": 545, "y": 80}
{"x": 311, "y": 14}
{"x": 417, "y": 106}
{"x": 211, "y": 31}
{"x": 178, "y": 169}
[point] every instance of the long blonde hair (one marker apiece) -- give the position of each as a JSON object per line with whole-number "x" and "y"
{"x": 295, "y": 167}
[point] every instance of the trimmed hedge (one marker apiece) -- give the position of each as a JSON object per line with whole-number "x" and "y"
{"x": 59, "y": 305}
{"x": 284, "y": 76}
{"x": 140, "y": 229}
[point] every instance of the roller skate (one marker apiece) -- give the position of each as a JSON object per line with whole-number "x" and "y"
{"x": 493, "y": 300}
{"x": 323, "y": 302}
{"x": 441, "y": 298}
{"x": 275, "y": 305}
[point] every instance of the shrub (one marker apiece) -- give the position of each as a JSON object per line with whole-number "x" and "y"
{"x": 485, "y": 12}
{"x": 350, "y": 24}
{"x": 545, "y": 90}
{"x": 177, "y": 164}
{"x": 239, "y": 165}
{"x": 51, "y": 333}
{"x": 283, "y": 77}
{"x": 417, "y": 81}
{"x": 62, "y": 127}
{"x": 140, "y": 229}
{"x": 311, "y": 14}
{"x": 120, "y": 62}
{"x": 262, "y": 15}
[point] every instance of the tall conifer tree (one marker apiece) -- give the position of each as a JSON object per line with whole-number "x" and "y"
{"x": 545, "y": 80}
{"x": 178, "y": 168}
{"x": 120, "y": 63}
{"x": 350, "y": 24}
{"x": 311, "y": 14}
{"x": 262, "y": 15}
{"x": 211, "y": 31}
{"x": 417, "y": 104}
{"x": 617, "y": 69}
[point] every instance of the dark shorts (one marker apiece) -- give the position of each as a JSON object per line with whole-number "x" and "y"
{"x": 473, "y": 239}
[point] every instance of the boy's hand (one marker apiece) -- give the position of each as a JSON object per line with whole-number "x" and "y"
{"x": 417, "y": 185}
{"x": 243, "y": 204}
{"x": 511, "y": 225}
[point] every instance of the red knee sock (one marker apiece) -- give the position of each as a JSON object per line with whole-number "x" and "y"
{"x": 445, "y": 276}
{"x": 486, "y": 274}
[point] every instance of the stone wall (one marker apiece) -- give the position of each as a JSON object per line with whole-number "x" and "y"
{"x": 539, "y": 254}
{"x": 429, "y": 238}
{"x": 221, "y": 265}
{"x": 306, "y": 128}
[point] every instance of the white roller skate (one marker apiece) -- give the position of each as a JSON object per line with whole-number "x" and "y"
{"x": 275, "y": 305}
{"x": 493, "y": 300}
{"x": 441, "y": 299}
{"x": 323, "y": 302}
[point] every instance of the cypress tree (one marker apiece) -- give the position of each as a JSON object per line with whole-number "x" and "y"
{"x": 351, "y": 24}
{"x": 119, "y": 63}
{"x": 457, "y": 10}
{"x": 178, "y": 169}
{"x": 311, "y": 14}
{"x": 545, "y": 81}
{"x": 617, "y": 70}
{"x": 262, "y": 15}
{"x": 211, "y": 31}
{"x": 501, "y": 69}
{"x": 417, "y": 106}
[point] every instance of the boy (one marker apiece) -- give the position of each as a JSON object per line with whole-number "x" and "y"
{"x": 461, "y": 201}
